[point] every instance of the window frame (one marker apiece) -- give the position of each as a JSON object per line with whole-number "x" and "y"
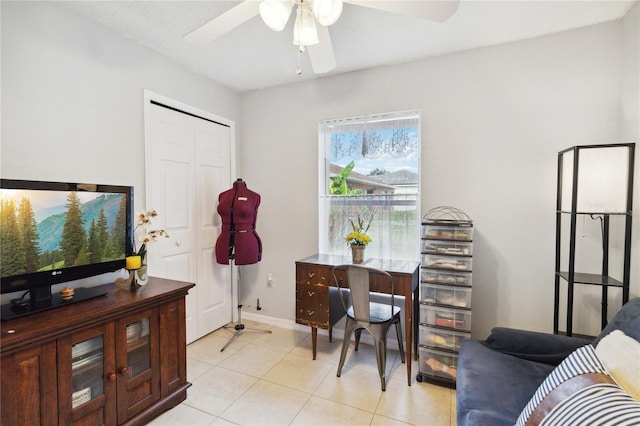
{"x": 412, "y": 200}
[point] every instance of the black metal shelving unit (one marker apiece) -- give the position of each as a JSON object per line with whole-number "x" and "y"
{"x": 571, "y": 276}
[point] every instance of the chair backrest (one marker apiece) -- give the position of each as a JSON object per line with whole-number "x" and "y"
{"x": 359, "y": 284}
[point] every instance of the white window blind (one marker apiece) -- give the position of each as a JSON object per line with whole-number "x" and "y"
{"x": 376, "y": 159}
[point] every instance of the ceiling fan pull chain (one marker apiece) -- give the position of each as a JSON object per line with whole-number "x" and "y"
{"x": 300, "y": 52}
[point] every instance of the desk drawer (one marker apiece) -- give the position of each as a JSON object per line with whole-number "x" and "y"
{"x": 312, "y": 305}
{"x": 313, "y": 274}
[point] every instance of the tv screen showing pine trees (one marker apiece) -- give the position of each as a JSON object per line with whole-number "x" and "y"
{"x": 46, "y": 230}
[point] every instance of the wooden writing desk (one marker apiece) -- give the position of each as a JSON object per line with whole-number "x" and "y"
{"x": 314, "y": 280}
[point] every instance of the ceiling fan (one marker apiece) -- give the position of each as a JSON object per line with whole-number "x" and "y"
{"x": 306, "y": 34}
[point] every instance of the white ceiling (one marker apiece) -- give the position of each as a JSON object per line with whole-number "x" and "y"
{"x": 252, "y": 56}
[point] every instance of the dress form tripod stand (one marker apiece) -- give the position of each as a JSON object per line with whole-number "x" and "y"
{"x": 238, "y": 244}
{"x": 239, "y": 327}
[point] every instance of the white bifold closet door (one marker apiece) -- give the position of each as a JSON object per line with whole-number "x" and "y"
{"x": 188, "y": 163}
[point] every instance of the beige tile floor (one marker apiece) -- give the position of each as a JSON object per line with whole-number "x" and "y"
{"x": 271, "y": 379}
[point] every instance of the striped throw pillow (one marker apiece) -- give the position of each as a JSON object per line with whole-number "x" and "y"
{"x": 582, "y": 361}
{"x": 596, "y": 405}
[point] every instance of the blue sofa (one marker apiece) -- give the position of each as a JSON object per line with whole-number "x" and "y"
{"x": 497, "y": 377}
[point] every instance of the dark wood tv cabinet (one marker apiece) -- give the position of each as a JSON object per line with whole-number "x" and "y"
{"x": 116, "y": 359}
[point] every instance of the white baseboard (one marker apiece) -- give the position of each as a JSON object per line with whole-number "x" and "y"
{"x": 278, "y": 322}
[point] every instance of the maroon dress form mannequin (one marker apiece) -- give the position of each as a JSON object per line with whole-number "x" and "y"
{"x": 238, "y": 208}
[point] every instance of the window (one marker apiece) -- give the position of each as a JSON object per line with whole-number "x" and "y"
{"x": 370, "y": 168}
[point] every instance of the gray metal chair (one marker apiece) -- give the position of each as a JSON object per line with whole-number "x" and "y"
{"x": 363, "y": 314}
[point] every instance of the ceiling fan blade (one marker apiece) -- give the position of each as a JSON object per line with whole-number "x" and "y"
{"x": 321, "y": 54}
{"x": 224, "y": 23}
{"x": 437, "y": 10}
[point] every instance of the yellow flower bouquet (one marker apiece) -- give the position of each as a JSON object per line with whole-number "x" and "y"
{"x": 358, "y": 235}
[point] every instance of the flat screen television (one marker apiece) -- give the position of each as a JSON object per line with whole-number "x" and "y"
{"x": 53, "y": 233}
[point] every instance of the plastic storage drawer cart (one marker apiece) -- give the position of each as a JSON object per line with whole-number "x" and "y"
{"x": 445, "y": 292}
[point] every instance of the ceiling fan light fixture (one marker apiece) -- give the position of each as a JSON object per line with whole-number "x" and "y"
{"x": 275, "y": 13}
{"x": 327, "y": 12}
{"x": 304, "y": 30}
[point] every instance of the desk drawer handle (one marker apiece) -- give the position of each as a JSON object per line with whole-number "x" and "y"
{"x": 311, "y": 274}
{"x": 311, "y": 293}
{"x": 310, "y": 313}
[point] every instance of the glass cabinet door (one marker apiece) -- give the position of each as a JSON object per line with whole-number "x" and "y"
{"x": 137, "y": 360}
{"x": 87, "y": 377}
{"x": 138, "y": 347}
{"x": 87, "y": 370}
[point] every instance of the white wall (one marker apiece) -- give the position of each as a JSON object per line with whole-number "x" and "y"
{"x": 630, "y": 114}
{"x": 72, "y": 98}
{"x": 630, "y": 120}
{"x": 493, "y": 120}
